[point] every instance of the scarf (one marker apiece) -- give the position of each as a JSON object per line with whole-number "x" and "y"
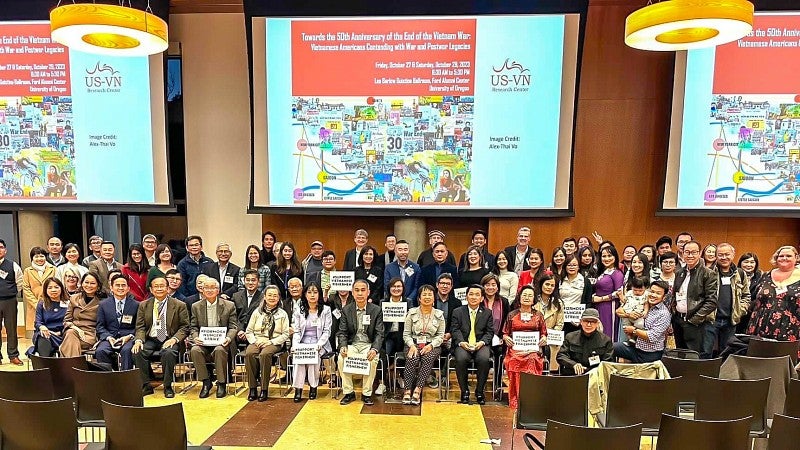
{"x": 268, "y": 320}
{"x": 39, "y": 268}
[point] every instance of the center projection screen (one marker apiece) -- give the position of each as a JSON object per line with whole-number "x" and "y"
{"x": 468, "y": 114}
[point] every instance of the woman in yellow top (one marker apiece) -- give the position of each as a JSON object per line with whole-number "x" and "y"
{"x": 32, "y": 279}
{"x": 548, "y": 302}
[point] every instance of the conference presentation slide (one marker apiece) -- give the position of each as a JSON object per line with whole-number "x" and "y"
{"x": 415, "y": 112}
{"x": 740, "y": 143}
{"x": 74, "y": 127}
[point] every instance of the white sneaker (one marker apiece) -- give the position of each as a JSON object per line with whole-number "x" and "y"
{"x": 381, "y": 389}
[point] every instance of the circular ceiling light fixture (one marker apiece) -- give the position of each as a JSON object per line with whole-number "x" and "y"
{"x": 108, "y": 29}
{"x": 686, "y": 24}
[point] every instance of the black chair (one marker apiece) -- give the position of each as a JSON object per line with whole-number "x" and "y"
{"x": 138, "y": 428}
{"x": 733, "y": 399}
{"x": 785, "y": 433}
{"x": 33, "y": 385}
{"x": 792, "y": 406}
{"x": 770, "y": 349}
{"x": 61, "y": 372}
{"x": 689, "y": 371}
{"x": 38, "y": 425}
{"x": 562, "y": 436}
{"x": 676, "y": 433}
{"x": 562, "y": 399}
{"x": 120, "y": 388}
{"x": 642, "y": 401}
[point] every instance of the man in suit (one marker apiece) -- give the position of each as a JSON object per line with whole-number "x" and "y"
{"x": 351, "y": 257}
{"x": 517, "y": 255}
{"x": 478, "y": 239}
{"x": 390, "y": 254}
{"x": 426, "y": 257}
{"x": 105, "y": 264}
{"x": 402, "y": 268}
{"x": 162, "y": 323}
{"x": 430, "y": 273}
{"x": 360, "y": 335}
{"x": 212, "y": 311}
{"x": 116, "y": 325}
{"x": 225, "y": 272}
{"x": 472, "y": 330}
{"x": 246, "y": 301}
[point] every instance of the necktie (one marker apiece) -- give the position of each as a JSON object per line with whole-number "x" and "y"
{"x": 119, "y": 311}
{"x": 161, "y": 333}
{"x": 472, "y": 338}
{"x": 402, "y": 274}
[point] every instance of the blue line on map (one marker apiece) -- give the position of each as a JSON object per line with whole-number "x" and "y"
{"x": 752, "y": 192}
{"x": 336, "y": 191}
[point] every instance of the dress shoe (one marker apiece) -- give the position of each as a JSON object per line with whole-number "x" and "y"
{"x": 464, "y": 398}
{"x": 168, "y": 392}
{"x": 312, "y": 393}
{"x": 262, "y": 397}
{"x": 347, "y": 399}
{"x": 15, "y": 361}
{"x": 147, "y": 389}
{"x": 367, "y": 399}
{"x": 480, "y": 399}
{"x": 252, "y": 395}
{"x": 206, "y": 389}
{"x": 298, "y": 395}
{"x": 222, "y": 390}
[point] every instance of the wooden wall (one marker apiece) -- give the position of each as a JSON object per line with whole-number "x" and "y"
{"x": 621, "y": 138}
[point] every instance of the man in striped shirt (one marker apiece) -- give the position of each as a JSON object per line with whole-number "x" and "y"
{"x": 650, "y": 338}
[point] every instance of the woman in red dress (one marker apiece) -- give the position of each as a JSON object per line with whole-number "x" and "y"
{"x": 524, "y": 319}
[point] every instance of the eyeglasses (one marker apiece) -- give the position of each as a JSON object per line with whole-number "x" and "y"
{"x": 691, "y": 252}
{"x": 174, "y": 278}
{"x": 668, "y": 263}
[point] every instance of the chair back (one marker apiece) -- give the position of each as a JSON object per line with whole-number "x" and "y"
{"x": 642, "y": 401}
{"x": 689, "y": 371}
{"x": 785, "y": 433}
{"x": 563, "y": 399}
{"x": 38, "y": 425}
{"x": 771, "y": 349}
{"x": 135, "y": 428}
{"x": 733, "y": 399}
{"x": 792, "y": 406}
{"x": 562, "y": 436}
{"x": 681, "y": 353}
{"x": 61, "y": 372}
{"x": 30, "y": 385}
{"x": 120, "y": 388}
{"x": 677, "y": 433}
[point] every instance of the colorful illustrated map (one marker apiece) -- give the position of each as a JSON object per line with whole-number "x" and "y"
{"x": 356, "y": 150}
{"x": 756, "y": 156}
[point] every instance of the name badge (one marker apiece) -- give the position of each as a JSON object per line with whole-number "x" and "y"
{"x": 780, "y": 290}
{"x": 422, "y": 340}
{"x": 314, "y": 322}
{"x": 592, "y": 280}
{"x": 726, "y": 281}
{"x": 409, "y": 271}
{"x": 594, "y": 360}
{"x": 435, "y": 323}
{"x": 336, "y": 313}
{"x": 63, "y": 304}
{"x": 3, "y": 274}
{"x": 526, "y": 317}
{"x": 464, "y": 302}
{"x": 228, "y": 279}
{"x": 127, "y": 319}
{"x": 372, "y": 278}
{"x": 365, "y": 320}
{"x": 680, "y": 296}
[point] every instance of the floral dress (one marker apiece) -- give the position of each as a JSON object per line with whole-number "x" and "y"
{"x": 776, "y": 311}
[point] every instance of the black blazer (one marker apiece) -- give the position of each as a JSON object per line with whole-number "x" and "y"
{"x": 107, "y": 324}
{"x": 350, "y": 260}
{"x": 245, "y": 310}
{"x": 488, "y": 260}
{"x": 460, "y": 327}
{"x": 348, "y": 324}
{"x": 452, "y": 304}
{"x": 212, "y": 270}
{"x": 375, "y": 287}
{"x": 428, "y": 275}
{"x": 426, "y": 257}
{"x": 511, "y": 256}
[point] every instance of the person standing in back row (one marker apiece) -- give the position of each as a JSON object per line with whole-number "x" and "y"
{"x": 10, "y": 285}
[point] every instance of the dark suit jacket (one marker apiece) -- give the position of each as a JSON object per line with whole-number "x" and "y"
{"x": 350, "y": 260}
{"x": 100, "y": 269}
{"x": 107, "y": 324}
{"x": 393, "y": 271}
{"x": 226, "y": 315}
{"x": 426, "y": 257}
{"x": 177, "y": 319}
{"x": 428, "y": 275}
{"x": 212, "y": 270}
{"x": 511, "y": 256}
{"x": 452, "y": 304}
{"x": 245, "y": 310}
{"x": 488, "y": 260}
{"x": 190, "y": 301}
{"x": 348, "y": 324}
{"x": 460, "y": 328}
{"x": 385, "y": 259}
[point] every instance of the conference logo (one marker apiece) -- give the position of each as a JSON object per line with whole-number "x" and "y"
{"x": 103, "y": 78}
{"x": 511, "y": 76}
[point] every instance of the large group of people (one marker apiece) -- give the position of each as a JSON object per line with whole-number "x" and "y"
{"x": 513, "y": 310}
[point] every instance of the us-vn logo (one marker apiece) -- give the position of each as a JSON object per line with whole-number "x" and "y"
{"x": 103, "y": 76}
{"x": 511, "y": 74}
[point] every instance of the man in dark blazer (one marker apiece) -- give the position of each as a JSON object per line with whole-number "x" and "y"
{"x": 116, "y": 325}
{"x": 405, "y": 269}
{"x": 430, "y": 273}
{"x": 351, "y": 257}
{"x": 360, "y": 335}
{"x": 246, "y": 301}
{"x": 225, "y": 272}
{"x": 105, "y": 264}
{"x": 472, "y": 330}
{"x": 522, "y": 248}
{"x": 162, "y": 323}
{"x": 212, "y": 311}
{"x": 426, "y": 257}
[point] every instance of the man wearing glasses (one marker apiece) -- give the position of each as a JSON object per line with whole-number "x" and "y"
{"x": 733, "y": 300}
{"x": 695, "y": 302}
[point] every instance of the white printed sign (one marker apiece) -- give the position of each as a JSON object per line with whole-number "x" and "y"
{"x": 305, "y": 354}
{"x": 555, "y": 337}
{"x": 212, "y": 335}
{"x": 526, "y": 341}
{"x": 394, "y": 311}
{"x": 342, "y": 280}
{"x": 573, "y": 313}
{"x": 356, "y": 366}
{"x": 461, "y": 294}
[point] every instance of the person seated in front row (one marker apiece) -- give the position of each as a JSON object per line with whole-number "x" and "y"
{"x": 268, "y": 332}
{"x": 423, "y": 335}
{"x": 116, "y": 325}
{"x": 360, "y": 335}
{"x": 80, "y": 321}
{"x": 651, "y": 333}
{"x": 212, "y": 311}
{"x": 312, "y": 325}
{"x": 472, "y": 332}
{"x": 525, "y": 319}
{"x": 584, "y": 349}
{"x": 162, "y": 323}
{"x": 49, "y": 322}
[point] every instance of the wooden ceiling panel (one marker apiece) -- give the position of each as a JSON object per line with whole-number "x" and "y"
{"x": 205, "y": 6}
